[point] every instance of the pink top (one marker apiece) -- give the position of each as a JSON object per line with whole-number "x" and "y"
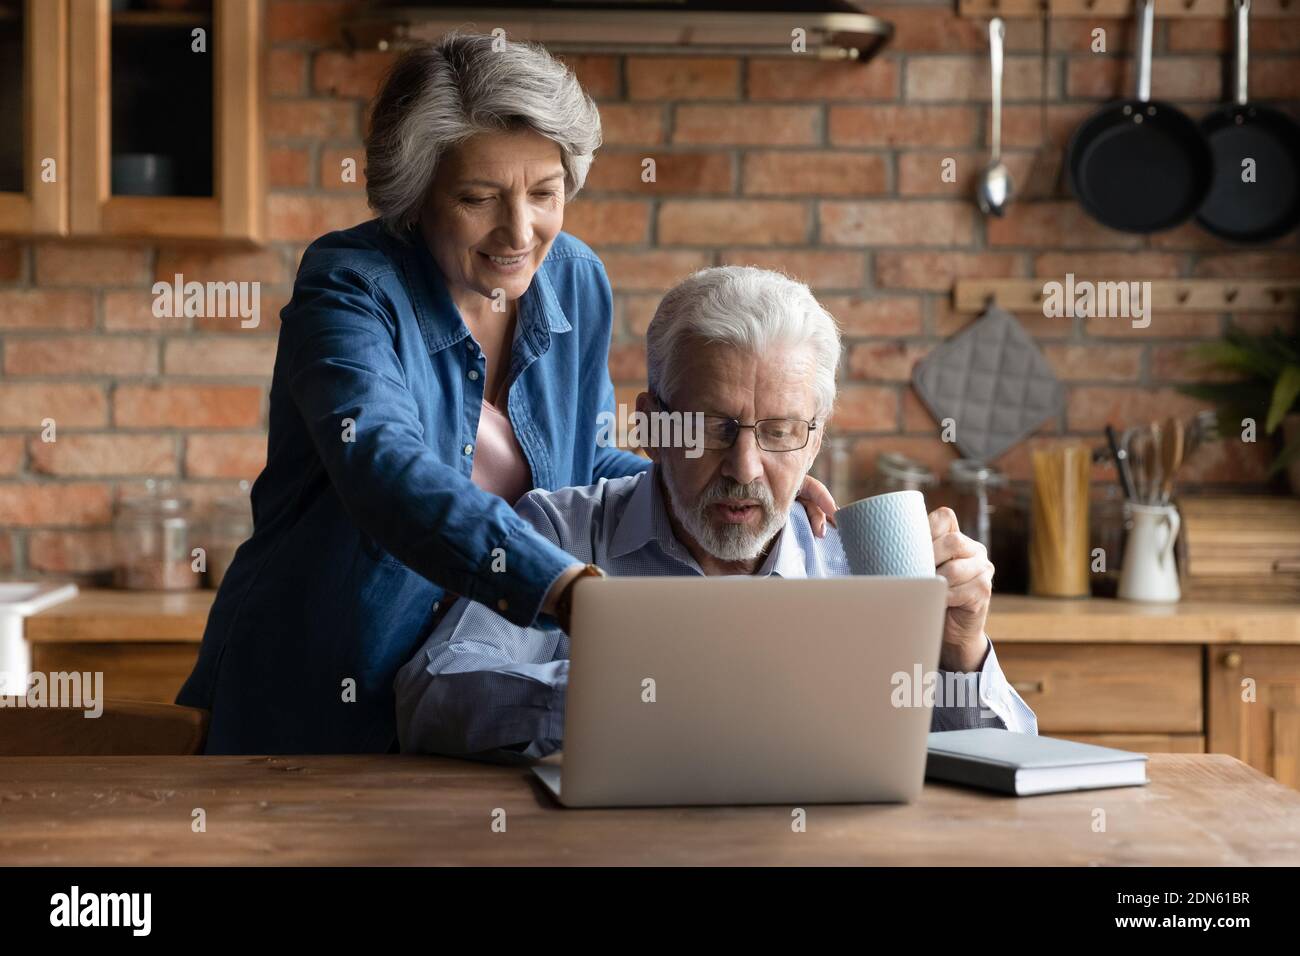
{"x": 499, "y": 463}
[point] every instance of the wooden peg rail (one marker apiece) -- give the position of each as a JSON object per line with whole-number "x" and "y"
{"x": 1123, "y": 9}
{"x": 1167, "y": 295}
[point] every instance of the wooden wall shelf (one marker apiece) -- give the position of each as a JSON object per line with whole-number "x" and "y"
{"x": 1167, "y": 295}
{"x": 1123, "y": 9}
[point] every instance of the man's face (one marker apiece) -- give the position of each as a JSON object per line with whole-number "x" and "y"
{"x": 734, "y": 502}
{"x": 493, "y": 210}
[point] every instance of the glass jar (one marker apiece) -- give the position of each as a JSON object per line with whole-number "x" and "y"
{"x": 230, "y": 525}
{"x": 977, "y": 495}
{"x": 833, "y": 467}
{"x": 897, "y": 472}
{"x": 152, "y": 537}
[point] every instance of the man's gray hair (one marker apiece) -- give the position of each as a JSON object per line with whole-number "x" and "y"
{"x": 438, "y": 95}
{"x": 751, "y": 309}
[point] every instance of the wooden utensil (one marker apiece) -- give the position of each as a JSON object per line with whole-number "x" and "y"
{"x": 1171, "y": 457}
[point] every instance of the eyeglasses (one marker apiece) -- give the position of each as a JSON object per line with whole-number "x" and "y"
{"x": 772, "y": 434}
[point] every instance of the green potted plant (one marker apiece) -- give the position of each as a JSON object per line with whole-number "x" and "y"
{"x": 1267, "y": 389}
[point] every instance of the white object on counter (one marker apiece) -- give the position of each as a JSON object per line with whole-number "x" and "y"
{"x": 1149, "y": 572}
{"x": 18, "y": 600}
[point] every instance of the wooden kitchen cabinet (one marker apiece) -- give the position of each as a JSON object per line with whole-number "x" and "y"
{"x": 34, "y": 166}
{"x": 160, "y": 139}
{"x": 1263, "y": 732}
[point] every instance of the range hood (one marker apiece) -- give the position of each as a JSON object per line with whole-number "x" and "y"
{"x": 833, "y": 29}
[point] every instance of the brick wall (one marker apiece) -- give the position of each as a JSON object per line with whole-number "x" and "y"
{"x": 828, "y": 171}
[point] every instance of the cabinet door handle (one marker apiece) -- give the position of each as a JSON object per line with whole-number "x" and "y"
{"x": 1232, "y": 659}
{"x": 1023, "y": 687}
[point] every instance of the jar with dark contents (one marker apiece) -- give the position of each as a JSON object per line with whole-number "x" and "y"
{"x": 230, "y": 525}
{"x": 153, "y": 538}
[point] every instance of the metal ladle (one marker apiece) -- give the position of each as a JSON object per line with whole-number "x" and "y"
{"x": 994, "y": 191}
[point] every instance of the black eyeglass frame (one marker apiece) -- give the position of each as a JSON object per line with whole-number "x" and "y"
{"x": 737, "y": 425}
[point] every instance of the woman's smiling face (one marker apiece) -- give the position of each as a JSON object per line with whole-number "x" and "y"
{"x": 494, "y": 208}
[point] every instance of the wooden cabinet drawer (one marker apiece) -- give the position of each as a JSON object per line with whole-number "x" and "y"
{"x": 1144, "y": 743}
{"x": 143, "y": 671}
{"x": 1108, "y": 688}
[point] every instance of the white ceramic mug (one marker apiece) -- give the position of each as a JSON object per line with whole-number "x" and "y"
{"x": 887, "y": 535}
{"x": 1149, "y": 572}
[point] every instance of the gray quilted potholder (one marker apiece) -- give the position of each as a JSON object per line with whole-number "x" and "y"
{"x": 993, "y": 381}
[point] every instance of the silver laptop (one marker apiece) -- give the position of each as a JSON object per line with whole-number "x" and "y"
{"x": 736, "y": 690}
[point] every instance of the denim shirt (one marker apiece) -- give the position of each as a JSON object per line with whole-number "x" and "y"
{"x": 365, "y": 515}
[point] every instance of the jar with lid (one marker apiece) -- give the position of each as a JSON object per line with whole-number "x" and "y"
{"x": 897, "y": 472}
{"x": 230, "y": 525}
{"x": 152, "y": 537}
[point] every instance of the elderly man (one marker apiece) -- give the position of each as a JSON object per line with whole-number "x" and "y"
{"x": 755, "y": 354}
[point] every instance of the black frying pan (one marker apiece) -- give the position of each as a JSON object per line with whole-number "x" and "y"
{"x": 1140, "y": 165}
{"x": 1270, "y": 206}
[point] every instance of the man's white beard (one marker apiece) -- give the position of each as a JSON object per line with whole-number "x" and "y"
{"x": 728, "y": 542}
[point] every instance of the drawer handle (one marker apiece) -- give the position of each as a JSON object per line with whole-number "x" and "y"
{"x": 1232, "y": 659}
{"x": 1023, "y": 687}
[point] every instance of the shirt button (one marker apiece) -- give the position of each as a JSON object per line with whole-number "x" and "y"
{"x": 473, "y": 375}
{"x": 503, "y": 605}
{"x": 468, "y": 449}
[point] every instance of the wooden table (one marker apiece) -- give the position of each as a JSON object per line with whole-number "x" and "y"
{"x": 389, "y": 809}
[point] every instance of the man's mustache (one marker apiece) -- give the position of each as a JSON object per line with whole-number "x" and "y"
{"x": 725, "y": 489}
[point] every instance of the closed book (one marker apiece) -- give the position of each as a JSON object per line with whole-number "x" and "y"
{"x": 1026, "y": 764}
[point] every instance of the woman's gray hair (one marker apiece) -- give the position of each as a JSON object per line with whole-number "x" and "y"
{"x": 751, "y": 309}
{"x": 438, "y": 95}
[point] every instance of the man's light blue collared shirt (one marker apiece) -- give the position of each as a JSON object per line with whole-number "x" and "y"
{"x": 485, "y": 687}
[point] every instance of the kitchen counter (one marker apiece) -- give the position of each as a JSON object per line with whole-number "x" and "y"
{"x": 144, "y": 616}
{"x": 1206, "y": 810}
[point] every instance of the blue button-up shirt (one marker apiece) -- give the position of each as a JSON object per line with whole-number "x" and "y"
{"x": 485, "y": 687}
{"x": 365, "y": 513}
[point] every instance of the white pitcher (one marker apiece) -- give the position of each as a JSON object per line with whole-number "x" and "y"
{"x": 1149, "y": 573}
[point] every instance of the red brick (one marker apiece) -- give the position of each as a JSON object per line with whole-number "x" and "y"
{"x": 935, "y": 29}
{"x": 286, "y": 72}
{"x": 820, "y": 269}
{"x": 947, "y": 321}
{"x": 921, "y": 173}
{"x": 1062, "y": 225}
{"x": 810, "y": 78}
{"x": 745, "y": 125}
{"x": 6, "y": 553}
{"x": 11, "y": 454}
{"x": 1023, "y": 125}
{"x": 207, "y": 264}
{"x": 223, "y": 356}
{"x": 46, "y": 310}
{"x": 674, "y": 173}
{"x": 102, "y": 456}
{"x": 65, "y": 263}
{"x": 1180, "y": 363}
{"x": 288, "y": 167}
{"x": 1095, "y": 363}
{"x": 1164, "y": 325}
{"x": 1173, "y": 78}
{"x": 12, "y": 257}
{"x": 791, "y": 173}
{"x": 132, "y": 311}
{"x": 187, "y": 406}
{"x": 309, "y": 217}
{"x": 902, "y": 125}
{"x": 1255, "y": 265}
{"x": 332, "y": 169}
{"x": 25, "y": 406}
{"x": 355, "y": 74}
{"x": 866, "y": 408}
{"x": 916, "y": 417}
{"x": 712, "y": 222}
{"x": 637, "y": 311}
{"x": 1195, "y": 35}
{"x": 893, "y": 223}
{"x": 631, "y": 124}
{"x": 225, "y": 456}
{"x": 72, "y": 552}
{"x": 1094, "y": 266}
{"x": 891, "y": 315}
{"x": 1189, "y": 237}
{"x": 932, "y": 452}
{"x": 682, "y": 78}
{"x": 936, "y": 271}
{"x": 655, "y": 270}
{"x": 627, "y": 362}
{"x": 885, "y": 361}
{"x": 271, "y": 300}
{"x": 28, "y": 504}
{"x": 618, "y": 222}
{"x": 1230, "y": 461}
{"x": 1089, "y": 408}
{"x": 597, "y": 72}
{"x": 307, "y": 21}
{"x": 89, "y": 355}
{"x": 311, "y": 119}
{"x": 966, "y": 78}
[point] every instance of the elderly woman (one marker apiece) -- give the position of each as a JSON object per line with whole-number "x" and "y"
{"x": 433, "y": 365}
